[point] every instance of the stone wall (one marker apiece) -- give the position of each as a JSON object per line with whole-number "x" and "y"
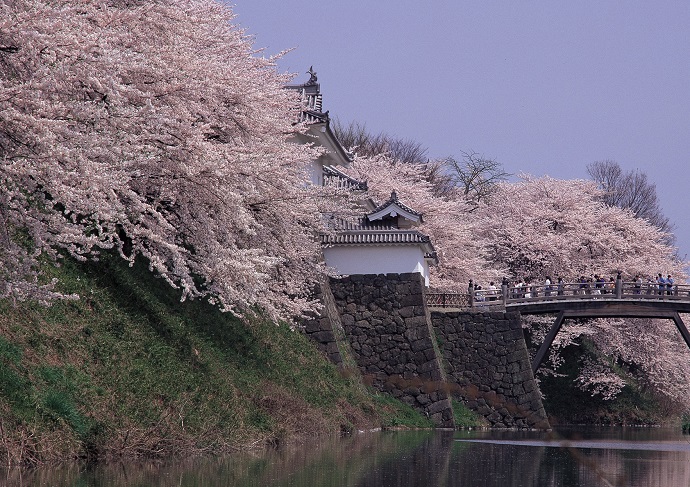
{"x": 323, "y": 328}
{"x": 486, "y": 359}
{"x": 389, "y": 331}
{"x": 380, "y": 325}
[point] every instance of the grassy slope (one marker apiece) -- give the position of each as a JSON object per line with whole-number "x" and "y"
{"x": 128, "y": 370}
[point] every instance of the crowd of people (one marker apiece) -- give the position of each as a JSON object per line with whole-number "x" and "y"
{"x": 595, "y": 285}
{"x": 658, "y": 285}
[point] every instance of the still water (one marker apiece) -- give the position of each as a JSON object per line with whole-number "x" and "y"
{"x": 630, "y": 457}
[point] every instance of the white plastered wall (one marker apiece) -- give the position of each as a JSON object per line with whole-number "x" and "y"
{"x": 377, "y": 260}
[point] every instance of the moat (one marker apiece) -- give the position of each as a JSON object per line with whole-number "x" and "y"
{"x": 565, "y": 457}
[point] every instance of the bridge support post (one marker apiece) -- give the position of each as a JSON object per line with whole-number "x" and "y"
{"x": 681, "y": 328}
{"x": 619, "y": 286}
{"x": 541, "y": 353}
{"x": 470, "y": 290}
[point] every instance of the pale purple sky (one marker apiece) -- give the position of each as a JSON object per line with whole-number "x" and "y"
{"x": 543, "y": 87}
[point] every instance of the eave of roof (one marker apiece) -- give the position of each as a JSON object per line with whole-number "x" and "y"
{"x": 369, "y": 238}
{"x": 404, "y": 237}
{"x": 349, "y": 181}
{"x": 334, "y": 140}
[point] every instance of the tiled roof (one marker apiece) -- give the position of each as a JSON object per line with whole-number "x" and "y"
{"x": 380, "y": 232}
{"x": 369, "y": 237}
{"x": 312, "y": 100}
{"x": 313, "y": 115}
{"x": 331, "y": 173}
{"x": 394, "y": 200}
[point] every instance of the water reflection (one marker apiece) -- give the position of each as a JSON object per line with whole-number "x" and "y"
{"x": 636, "y": 457}
{"x": 420, "y": 458}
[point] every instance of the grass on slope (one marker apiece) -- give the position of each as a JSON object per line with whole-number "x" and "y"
{"x": 128, "y": 370}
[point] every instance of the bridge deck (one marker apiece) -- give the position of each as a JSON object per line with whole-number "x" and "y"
{"x": 630, "y": 307}
{"x": 576, "y": 300}
{"x": 625, "y": 299}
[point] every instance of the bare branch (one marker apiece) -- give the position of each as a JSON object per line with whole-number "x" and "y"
{"x": 631, "y": 190}
{"x": 357, "y": 138}
{"x": 475, "y": 175}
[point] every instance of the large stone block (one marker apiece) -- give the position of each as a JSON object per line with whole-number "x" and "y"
{"x": 409, "y": 300}
{"x": 407, "y": 311}
{"x": 323, "y": 336}
{"x": 423, "y": 399}
{"x": 417, "y": 321}
{"x": 516, "y": 356}
{"x": 312, "y": 326}
{"x": 438, "y": 406}
{"x": 423, "y": 344}
{"x": 363, "y": 324}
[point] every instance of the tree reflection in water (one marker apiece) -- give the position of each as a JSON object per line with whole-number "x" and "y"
{"x": 412, "y": 458}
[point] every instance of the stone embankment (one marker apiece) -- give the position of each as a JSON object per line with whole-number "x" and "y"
{"x": 486, "y": 359}
{"x": 381, "y": 325}
{"x": 389, "y": 331}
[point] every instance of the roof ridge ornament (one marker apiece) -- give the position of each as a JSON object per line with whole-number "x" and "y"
{"x": 312, "y": 77}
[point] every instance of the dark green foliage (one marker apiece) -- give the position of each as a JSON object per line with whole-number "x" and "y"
{"x": 60, "y": 405}
{"x": 565, "y": 403}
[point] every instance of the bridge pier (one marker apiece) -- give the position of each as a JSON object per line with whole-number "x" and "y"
{"x": 681, "y": 328}
{"x": 604, "y": 309}
{"x": 541, "y": 353}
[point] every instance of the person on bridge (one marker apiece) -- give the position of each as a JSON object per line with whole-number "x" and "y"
{"x": 479, "y": 294}
{"x": 638, "y": 284}
{"x": 669, "y": 285}
{"x": 661, "y": 283}
{"x": 597, "y": 285}
{"x": 610, "y": 286}
{"x": 492, "y": 291}
{"x": 519, "y": 293}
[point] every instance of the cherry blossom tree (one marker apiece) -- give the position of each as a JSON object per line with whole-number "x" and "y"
{"x": 540, "y": 227}
{"x": 155, "y": 129}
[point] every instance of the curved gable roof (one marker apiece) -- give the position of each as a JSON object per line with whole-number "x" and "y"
{"x": 394, "y": 207}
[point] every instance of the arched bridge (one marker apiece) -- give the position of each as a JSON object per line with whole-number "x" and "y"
{"x": 617, "y": 299}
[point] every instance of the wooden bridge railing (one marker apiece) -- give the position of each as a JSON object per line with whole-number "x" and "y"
{"x": 535, "y": 293}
